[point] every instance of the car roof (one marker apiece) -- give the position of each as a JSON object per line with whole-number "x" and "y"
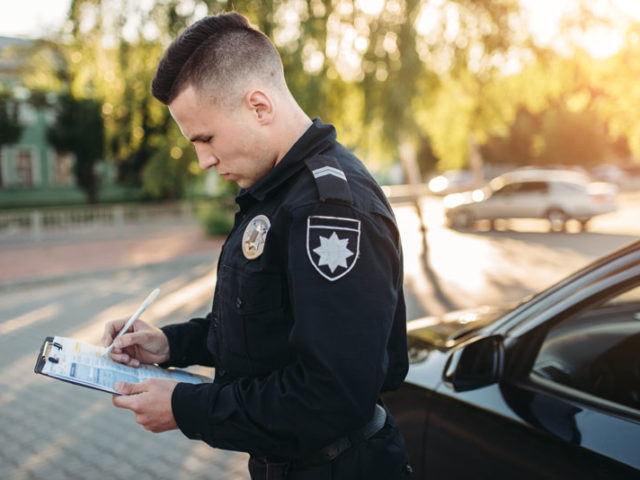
{"x": 539, "y": 175}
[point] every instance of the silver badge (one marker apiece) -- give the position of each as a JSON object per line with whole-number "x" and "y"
{"x": 333, "y": 245}
{"x": 254, "y": 237}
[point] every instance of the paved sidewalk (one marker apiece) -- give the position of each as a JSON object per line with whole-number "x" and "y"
{"x": 101, "y": 251}
{"x": 70, "y": 287}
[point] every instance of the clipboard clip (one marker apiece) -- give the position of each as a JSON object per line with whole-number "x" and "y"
{"x": 46, "y": 351}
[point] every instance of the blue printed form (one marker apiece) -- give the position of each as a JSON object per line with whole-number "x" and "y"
{"x": 81, "y": 363}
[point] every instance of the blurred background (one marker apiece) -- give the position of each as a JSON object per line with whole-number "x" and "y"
{"x": 468, "y": 112}
{"x": 414, "y": 87}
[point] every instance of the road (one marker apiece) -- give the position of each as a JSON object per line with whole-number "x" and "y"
{"x": 52, "y": 430}
{"x": 462, "y": 269}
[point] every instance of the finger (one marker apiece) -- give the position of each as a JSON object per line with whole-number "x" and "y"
{"x": 124, "y": 358}
{"x": 123, "y": 399}
{"x": 107, "y": 336}
{"x": 111, "y": 329}
{"x": 129, "y": 388}
{"x": 131, "y": 339}
{"x": 130, "y": 402}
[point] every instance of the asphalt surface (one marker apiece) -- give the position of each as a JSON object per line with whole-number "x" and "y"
{"x": 71, "y": 285}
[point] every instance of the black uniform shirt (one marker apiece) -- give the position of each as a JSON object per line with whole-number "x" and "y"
{"x": 307, "y": 334}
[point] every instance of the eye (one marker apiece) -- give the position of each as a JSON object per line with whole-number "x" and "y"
{"x": 197, "y": 140}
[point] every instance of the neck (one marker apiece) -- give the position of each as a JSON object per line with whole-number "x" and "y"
{"x": 295, "y": 123}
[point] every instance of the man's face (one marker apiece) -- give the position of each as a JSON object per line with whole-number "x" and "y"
{"x": 232, "y": 141}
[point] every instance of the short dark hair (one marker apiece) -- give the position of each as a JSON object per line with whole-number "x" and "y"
{"x": 217, "y": 51}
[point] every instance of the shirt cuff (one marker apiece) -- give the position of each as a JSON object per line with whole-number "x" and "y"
{"x": 176, "y": 357}
{"x": 191, "y": 404}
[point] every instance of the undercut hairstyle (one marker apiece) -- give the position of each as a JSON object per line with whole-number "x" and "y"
{"x": 217, "y": 55}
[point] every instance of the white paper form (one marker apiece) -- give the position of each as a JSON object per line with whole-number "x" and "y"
{"x": 82, "y": 363}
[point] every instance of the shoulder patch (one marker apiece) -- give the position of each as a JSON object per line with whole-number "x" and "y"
{"x": 333, "y": 245}
{"x": 331, "y": 181}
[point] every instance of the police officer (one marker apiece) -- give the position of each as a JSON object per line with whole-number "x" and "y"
{"x": 307, "y": 326}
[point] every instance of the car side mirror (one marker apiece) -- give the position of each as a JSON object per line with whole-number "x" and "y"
{"x": 476, "y": 363}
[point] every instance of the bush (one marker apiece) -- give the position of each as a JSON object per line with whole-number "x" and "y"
{"x": 216, "y": 218}
{"x": 166, "y": 177}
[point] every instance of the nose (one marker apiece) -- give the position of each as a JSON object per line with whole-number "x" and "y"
{"x": 206, "y": 159}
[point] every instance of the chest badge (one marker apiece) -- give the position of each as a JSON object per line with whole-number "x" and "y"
{"x": 254, "y": 237}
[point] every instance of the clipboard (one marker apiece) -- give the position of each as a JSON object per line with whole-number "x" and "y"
{"x": 44, "y": 354}
{"x": 82, "y": 364}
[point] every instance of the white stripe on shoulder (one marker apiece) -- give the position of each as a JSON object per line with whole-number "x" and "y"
{"x": 321, "y": 172}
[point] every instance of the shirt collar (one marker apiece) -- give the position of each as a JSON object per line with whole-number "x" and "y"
{"x": 317, "y": 138}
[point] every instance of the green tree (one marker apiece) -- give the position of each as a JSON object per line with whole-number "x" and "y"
{"x": 79, "y": 129}
{"x": 114, "y": 63}
{"x": 168, "y": 171}
{"x": 10, "y": 127}
{"x": 617, "y": 79}
{"x": 573, "y": 138}
{"x": 408, "y": 70}
{"x": 518, "y": 146}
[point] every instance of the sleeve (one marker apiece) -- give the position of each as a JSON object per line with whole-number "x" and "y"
{"x": 338, "y": 343}
{"x": 188, "y": 343}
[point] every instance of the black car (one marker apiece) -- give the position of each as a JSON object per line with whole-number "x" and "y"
{"x": 547, "y": 389}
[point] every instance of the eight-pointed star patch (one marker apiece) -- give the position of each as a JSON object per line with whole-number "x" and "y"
{"x": 333, "y": 245}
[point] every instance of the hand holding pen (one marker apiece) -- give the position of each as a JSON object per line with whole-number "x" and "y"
{"x": 133, "y": 341}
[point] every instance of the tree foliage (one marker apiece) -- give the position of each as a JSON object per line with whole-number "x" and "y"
{"x": 79, "y": 129}
{"x": 370, "y": 72}
{"x": 391, "y": 72}
{"x": 168, "y": 171}
{"x": 10, "y": 127}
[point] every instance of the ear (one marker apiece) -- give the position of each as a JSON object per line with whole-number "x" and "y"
{"x": 261, "y": 105}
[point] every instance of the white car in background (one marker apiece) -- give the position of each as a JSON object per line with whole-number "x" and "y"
{"x": 556, "y": 195}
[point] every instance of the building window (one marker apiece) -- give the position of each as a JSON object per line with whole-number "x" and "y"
{"x": 62, "y": 169}
{"x": 24, "y": 167}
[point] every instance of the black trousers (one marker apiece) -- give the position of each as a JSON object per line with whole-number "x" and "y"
{"x": 381, "y": 457}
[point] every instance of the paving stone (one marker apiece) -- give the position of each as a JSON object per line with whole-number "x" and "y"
{"x": 54, "y": 430}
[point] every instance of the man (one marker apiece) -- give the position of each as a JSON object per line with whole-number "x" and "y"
{"x": 308, "y": 319}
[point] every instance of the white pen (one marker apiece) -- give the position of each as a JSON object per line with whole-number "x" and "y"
{"x": 152, "y": 296}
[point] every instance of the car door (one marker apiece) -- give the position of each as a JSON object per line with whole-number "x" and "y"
{"x": 581, "y": 420}
{"x": 528, "y": 200}
{"x": 512, "y": 432}
{"x": 499, "y": 204}
{"x": 534, "y": 199}
{"x": 518, "y": 200}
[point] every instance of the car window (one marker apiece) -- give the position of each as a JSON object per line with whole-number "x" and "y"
{"x": 597, "y": 351}
{"x": 629, "y": 297}
{"x": 573, "y": 187}
{"x": 508, "y": 189}
{"x": 534, "y": 187}
{"x": 523, "y": 187}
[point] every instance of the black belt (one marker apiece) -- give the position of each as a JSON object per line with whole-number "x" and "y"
{"x": 330, "y": 452}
